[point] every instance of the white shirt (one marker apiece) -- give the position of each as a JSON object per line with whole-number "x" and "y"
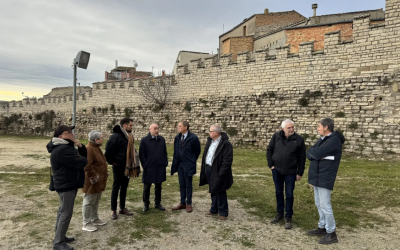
{"x": 211, "y": 151}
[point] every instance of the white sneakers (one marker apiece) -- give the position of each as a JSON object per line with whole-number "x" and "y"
{"x": 89, "y": 227}
{"x": 98, "y": 222}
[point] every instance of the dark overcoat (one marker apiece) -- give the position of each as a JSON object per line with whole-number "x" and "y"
{"x": 67, "y": 165}
{"x": 322, "y": 172}
{"x": 154, "y": 159}
{"x": 116, "y": 148}
{"x": 190, "y": 152}
{"x": 221, "y": 174}
{"x": 287, "y": 155}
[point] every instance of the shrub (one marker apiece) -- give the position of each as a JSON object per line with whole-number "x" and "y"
{"x": 271, "y": 94}
{"x": 187, "y": 107}
{"x": 353, "y": 125}
{"x": 167, "y": 117}
{"x": 259, "y": 102}
{"x": 340, "y": 114}
{"x": 127, "y": 112}
{"x": 93, "y": 110}
{"x": 374, "y": 135}
{"x": 254, "y": 133}
{"x": 231, "y": 131}
{"x": 316, "y": 94}
{"x": 30, "y": 117}
{"x": 303, "y": 102}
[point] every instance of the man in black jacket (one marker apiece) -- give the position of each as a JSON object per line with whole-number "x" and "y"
{"x": 324, "y": 159}
{"x": 68, "y": 175}
{"x": 286, "y": 156}
{"x": 154, "y": 159}
{"x": 216, "y": 170}
{"x": 116, "y": 149}
{"x": 186, "y": 152}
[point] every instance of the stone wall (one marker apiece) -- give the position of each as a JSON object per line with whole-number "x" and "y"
{"x": 356, "y": 83}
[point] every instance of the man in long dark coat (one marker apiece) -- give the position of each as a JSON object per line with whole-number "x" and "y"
{"x": 186, "y": 152}
{"x": 216, "y": 170}
{"x": 154, "y": 159}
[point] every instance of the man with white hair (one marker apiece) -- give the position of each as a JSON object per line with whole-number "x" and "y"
{"x": 286, "y": 156}
{"x": 154, "y": 159}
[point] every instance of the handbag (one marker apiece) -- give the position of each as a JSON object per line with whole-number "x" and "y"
{"x": 51, "y": 186}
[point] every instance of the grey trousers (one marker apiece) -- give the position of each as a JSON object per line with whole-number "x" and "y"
{"x": 64, "y": 215}
{"x": 89, "y": 207}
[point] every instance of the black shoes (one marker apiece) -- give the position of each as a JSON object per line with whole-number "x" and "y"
{"x": 317, "y": 232}
{"x": 159, "y": 207}
{"x": 146, "y": 208}
{"x": 288, "y": 223}
{"x": 62, "y": 247}
{"x": 329, "y": 238}
{"x": 278, "y": 218}
{"x": 69, "y": 240}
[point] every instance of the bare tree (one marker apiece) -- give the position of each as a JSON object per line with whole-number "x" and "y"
{"x": 157, "y": 90}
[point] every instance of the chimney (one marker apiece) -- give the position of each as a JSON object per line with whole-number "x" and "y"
{"x": 116, "y": 63}
{"x": 266, "y": 11}
{"x": 163, "y": 73}
{"x": 314, "y": 7}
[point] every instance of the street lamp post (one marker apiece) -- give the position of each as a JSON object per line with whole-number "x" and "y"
{"x": 81, "y": 61}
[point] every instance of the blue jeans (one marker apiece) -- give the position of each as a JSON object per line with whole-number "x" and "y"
{"x": 322, "y": 198}
{"x": 287, "y": 182}
{"x": 186, "y": 187}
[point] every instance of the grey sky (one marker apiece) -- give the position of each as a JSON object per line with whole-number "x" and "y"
{"x": 40, "y": 38}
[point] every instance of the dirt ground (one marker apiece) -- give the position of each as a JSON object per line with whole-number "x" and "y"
{"x": 193, "y": 231}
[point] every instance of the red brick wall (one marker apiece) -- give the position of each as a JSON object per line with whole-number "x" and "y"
{"x": 235, "y": 45}
{"x": 226, "y": 46}
{"x": 273, "y": 21}
{"x": 296, "y": 36}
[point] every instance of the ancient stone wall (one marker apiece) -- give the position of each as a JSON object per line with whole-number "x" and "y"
{"x": 356, "y": 83}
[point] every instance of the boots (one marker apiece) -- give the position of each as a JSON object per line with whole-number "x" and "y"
{"x": 277, "y": 218}
{"x": 317, "y": 232}
{"x": 329, "y": 238}
{"x": 159, "y": 206}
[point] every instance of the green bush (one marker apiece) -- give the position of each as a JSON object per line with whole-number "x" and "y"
{"x": 340, "y": 114}
{"x": 353, "y": 125}
{"x": 303, "y": 102}
{"x": 231, "y": 131}
{"x": 187, "y": 107}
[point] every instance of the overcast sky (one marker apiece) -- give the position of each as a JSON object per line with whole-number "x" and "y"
{"x": 40, "y": 38}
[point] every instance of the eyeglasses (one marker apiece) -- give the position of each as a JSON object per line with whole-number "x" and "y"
{"x": 67, "y": 133}
{"x": 211, "y": 131}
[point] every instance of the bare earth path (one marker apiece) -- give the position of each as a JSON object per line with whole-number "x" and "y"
{"x": 27, "y": 223}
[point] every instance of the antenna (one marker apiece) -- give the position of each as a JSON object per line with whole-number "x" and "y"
{"x": 135, "y": 64}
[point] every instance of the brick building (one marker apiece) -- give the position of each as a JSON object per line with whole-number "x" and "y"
{"x": 317, "y": 26}
{"x": 241, "y": 37}
{"x": 121, "y": 72}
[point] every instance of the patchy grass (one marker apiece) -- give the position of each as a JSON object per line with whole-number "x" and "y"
{"x": 361, "y": 186}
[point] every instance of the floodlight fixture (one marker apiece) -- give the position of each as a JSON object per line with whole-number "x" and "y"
{"x": 82, "y": 59}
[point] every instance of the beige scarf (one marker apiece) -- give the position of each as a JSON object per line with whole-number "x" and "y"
{"x": 132, "y": 168}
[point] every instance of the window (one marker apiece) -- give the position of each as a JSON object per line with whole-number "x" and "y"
{"x": 244, "y": 30}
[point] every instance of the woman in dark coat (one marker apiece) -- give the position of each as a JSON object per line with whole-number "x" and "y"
{"x": 218, "y": 174}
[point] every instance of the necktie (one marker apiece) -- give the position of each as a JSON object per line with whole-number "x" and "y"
{"x": 182, "y": 140}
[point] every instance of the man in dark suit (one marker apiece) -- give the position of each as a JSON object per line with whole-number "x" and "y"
{"x": 186, "y": 152}
{"x": 216, "y": 170}
{"x": 154, "y": 159}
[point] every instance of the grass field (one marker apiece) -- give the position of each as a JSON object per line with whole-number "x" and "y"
{"x": 362, "y": 185}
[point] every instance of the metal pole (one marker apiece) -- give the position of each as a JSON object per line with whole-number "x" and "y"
{"x": 74, "y": 98}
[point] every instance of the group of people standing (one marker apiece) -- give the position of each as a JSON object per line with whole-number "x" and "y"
{"x": 86, "y": 168}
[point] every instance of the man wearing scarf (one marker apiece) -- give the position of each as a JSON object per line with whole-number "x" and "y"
{"x": 122, "y": 155}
